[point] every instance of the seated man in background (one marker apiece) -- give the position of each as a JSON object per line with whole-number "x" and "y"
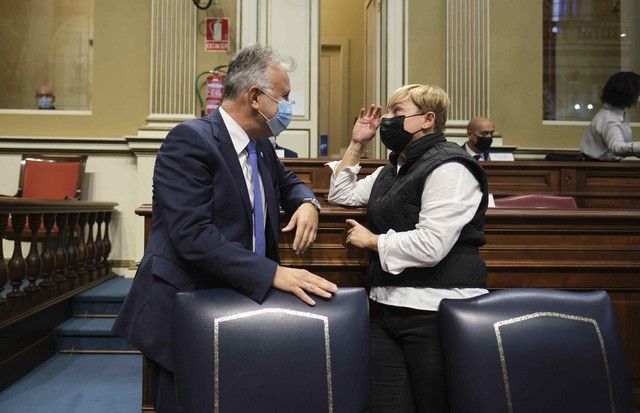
{"x": 480, "y": 132}
{"x": 45, "y": 97}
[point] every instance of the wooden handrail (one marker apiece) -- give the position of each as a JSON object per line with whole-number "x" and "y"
{"x": 9, "y": 205}
{"x": 68, "y": 260}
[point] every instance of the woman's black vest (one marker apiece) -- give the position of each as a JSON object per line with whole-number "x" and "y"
{"x": 395, "y": 203}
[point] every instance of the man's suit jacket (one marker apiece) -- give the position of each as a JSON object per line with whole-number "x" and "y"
{"x": 485, "y": 155}
{"x": 202, "y": 229}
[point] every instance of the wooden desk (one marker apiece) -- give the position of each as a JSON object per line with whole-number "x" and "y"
{"x": 583, "y": 249}
{"x": 593, "y": 184}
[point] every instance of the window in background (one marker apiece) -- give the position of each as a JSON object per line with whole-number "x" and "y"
{"x": 46, "y": 43}
{"x": 584, "y": 43}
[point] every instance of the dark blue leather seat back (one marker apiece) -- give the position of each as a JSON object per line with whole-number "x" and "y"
{"x": 534, "y": 350}
{"x": 234, "y": 355}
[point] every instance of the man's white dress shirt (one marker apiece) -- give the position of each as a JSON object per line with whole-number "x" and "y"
{"x": 240, "y": 140}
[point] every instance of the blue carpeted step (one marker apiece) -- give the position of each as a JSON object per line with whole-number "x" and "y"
{"x": 103, "y": 299}
{"x": 78, "y": 384}
{"x": 94, "y": 334}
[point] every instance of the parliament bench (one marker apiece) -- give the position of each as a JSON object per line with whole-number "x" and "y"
{"x": 592, "y": 184}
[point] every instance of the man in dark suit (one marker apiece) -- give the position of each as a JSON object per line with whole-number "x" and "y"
{"x": 480, "y": 132}
{"x": 217, "y": 185}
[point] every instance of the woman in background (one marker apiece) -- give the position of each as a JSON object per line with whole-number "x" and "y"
{"x": 608, "y": 137}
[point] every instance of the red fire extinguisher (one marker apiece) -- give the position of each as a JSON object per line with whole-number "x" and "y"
{"x": 215, "y": 86}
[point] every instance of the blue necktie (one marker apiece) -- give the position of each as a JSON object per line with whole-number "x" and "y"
{"x": 258, "y": 211}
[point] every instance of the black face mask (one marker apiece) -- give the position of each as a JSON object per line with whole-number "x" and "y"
{"x": 392, "y": 132}
{"x": 483, "y": 143}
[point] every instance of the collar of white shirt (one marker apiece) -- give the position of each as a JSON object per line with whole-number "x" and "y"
{"x": 239, "y": 137}
{"x": 615, "y": 110}
{"x": 471, "y": 152}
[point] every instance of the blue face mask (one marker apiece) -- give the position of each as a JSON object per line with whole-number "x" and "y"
{"x": 45, "y": 102}
{"x": 281, "y": 120}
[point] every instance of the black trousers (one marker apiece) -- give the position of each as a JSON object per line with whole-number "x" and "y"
{"x": 408, "y": 372}
{"x": 163, "y": 388}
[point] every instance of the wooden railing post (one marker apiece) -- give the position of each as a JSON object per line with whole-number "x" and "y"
{"x": 72, "y": 249}
{"x": 3, "y": 267}
{"x": 99, "y": 265}
{"x": 61, "y": 251}
{"x": 48, "y": 255}
{"x": 82, "y": 247}
{"x": 16, "y": 263}
{"x": 53, "y": 272}
{"x": 91, "y": 247}
{"x": 33, "y": 258}
{"x": 106, "y": 243}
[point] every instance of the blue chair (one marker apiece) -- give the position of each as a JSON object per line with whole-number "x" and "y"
{"x": 234, "y": 355}
{"x": 534, "y": 350}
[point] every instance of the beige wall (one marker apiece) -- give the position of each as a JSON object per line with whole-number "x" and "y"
{"x": 121, "y": 68}
{"x": 516, "y": 78}
{"x": 426, "y": 42}
{"x": 515, "y": 69}
{"x": 345, "y": 20}
{"x": 209, "y": 60}
{"x": 120, "y": 95}
{"x": 46, "y": 43}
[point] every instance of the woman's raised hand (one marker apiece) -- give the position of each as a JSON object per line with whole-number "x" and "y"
{"x": 365, "y": 127}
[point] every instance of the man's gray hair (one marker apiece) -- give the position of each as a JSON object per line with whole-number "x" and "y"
{"x": 249, "y": 68}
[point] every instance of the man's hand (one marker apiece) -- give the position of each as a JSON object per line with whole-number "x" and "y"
{"x": 305, "y": 219}
{"x": 300, "y": 282}
{"x": 361, "y": 237}
{"x": 365, "y": 127}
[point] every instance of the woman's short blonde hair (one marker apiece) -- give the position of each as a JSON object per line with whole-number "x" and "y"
{"x": 427, "y": 98}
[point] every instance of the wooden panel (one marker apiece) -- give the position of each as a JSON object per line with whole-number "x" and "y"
{"x": 330, "y": 256}
{"x": 605, "y": 180}
{"x": 523, "y": 181}
{"x": 627, "y": 308}
{"x": 567, "y": 180}
{"x": 29, "y": 342}
{"x": 593, "y": 184}
{"x": 322, "y": 174}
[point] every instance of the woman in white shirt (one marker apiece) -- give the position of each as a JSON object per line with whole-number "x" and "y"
{"x": 608, "y": 137}
{"x": 425, "y": 219}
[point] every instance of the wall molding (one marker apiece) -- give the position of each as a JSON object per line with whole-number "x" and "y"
{"x": 90, "y": 145}
{"x": 38, "y": 112}
{"x": 145, "y": 145}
